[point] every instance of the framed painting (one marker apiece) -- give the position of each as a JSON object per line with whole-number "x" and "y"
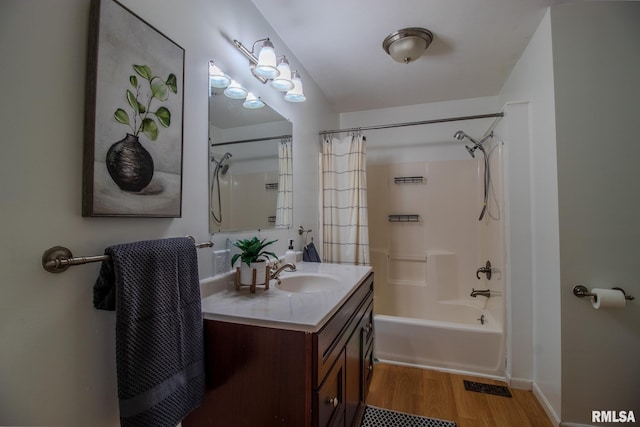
{"x": 132, "y": 160}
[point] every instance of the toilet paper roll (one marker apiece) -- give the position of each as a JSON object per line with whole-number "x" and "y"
{"x": 607, "y": 298}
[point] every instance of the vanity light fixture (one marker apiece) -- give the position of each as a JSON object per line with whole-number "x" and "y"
{"x": 408, "y": 44}
{"x": 252, "y": 102}
{"x": 268, "y": 67}
{"x": 296, "y": 94}
{"x": 235, "y": 91}
{"x": 217, "y": 78}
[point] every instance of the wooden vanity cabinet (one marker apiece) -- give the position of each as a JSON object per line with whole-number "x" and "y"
{"x": 258, "y": 376}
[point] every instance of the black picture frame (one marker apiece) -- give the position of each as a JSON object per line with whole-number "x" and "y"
{"x": 133, "y": 134}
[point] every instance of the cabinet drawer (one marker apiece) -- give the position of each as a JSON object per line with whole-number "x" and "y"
{"x": 329, "y": 341}
{"x": 328, "y": 402}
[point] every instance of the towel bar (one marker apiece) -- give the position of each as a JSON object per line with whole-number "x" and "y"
{"x": 58, "y": 258}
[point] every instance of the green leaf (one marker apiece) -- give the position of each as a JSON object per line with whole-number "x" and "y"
{"x": 164, "y": 116}
{"x": 121, "y": 116}
{"x": 143, "y": 71}
{"x": 234, "y": 258}
{"x": 134, "y": 81}
{"x": 159, "y": 89}
{"x": 133, "y": 101}
{"x": 150, "y": 128}
{"x": 172, "y": 82}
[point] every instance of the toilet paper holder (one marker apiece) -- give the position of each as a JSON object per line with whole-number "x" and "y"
{"x": 581, "y": 291}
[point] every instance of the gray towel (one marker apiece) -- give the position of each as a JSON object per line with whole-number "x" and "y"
{"x": 310, "y": 254}
{"x": 154, "y": 288}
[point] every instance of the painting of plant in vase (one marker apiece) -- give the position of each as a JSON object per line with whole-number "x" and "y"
{"x": 133, "y": 128}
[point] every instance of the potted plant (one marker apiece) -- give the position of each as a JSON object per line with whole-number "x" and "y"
{"x": 129, "y": 164}
{"x": 253, "y": 256}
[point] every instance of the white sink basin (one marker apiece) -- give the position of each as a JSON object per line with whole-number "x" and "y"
{"x": 308, "y": 283}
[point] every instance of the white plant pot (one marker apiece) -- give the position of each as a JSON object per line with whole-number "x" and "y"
{"x": 246, "y": 272}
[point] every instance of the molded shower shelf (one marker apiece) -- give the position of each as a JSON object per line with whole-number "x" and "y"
{"x": 408, "y": 179}
{"x": 404, "y": 218}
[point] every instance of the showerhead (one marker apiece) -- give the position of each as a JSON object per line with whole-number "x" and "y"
{"x": 459, "y": 135}
{"x": 221, "y": 166}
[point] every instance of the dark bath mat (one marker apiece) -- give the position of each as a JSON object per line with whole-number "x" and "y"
{"x": 378, "y": 417}
{"x": 498, "y": 390}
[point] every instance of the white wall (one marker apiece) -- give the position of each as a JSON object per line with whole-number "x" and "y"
{"x": 533, "y": 236}
{"x": 581, "y": 92}
{"x": 596, "y": 97}
{"x": 57, "y": 364}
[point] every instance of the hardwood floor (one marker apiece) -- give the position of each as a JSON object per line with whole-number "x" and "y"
{"x": 442, "y": 395}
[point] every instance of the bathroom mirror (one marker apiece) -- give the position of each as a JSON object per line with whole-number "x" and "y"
{"x": 250, "y": 166}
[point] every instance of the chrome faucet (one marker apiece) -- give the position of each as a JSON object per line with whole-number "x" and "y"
{"x": 276, "y": 273}
{"x": 483, "y": 292}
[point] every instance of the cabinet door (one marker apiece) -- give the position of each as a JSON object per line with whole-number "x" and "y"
{"x": 329, "y": 398}
{"x": 355, "y": 351}
{"x": 367, "y": 371}
{"x": 367, "y": 353}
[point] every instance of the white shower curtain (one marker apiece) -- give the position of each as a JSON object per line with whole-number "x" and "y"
{"x": 345, "y": 231}
{"x": 284, "y": 208}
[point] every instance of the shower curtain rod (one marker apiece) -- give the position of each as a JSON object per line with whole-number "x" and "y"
{"x": 239, "y": 141}
{"x": 423, "y": 122}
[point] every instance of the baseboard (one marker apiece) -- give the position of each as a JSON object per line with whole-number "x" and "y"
{"x": 520, "y": 383}
{"x": 548, "y": 409}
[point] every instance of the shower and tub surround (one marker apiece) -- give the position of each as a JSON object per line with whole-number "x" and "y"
{"x": 430, "y": 325}
{"x": 426, "y": 269}
{"x": 300, "y": 353}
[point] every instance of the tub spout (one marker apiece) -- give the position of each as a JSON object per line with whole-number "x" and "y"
{"x": 483, "y": 292}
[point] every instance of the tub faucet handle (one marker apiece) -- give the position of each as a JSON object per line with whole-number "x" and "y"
{"x": 486, "y": 270}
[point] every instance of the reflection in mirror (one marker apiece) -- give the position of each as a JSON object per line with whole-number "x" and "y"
{"x": 250, "y": 167}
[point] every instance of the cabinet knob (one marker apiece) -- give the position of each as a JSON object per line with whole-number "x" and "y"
{"x": 333, "y": 402}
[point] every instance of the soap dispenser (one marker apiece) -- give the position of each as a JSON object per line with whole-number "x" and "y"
{"x": 290, "y": 255}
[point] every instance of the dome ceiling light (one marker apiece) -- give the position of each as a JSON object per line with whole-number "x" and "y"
{"x": 408, "y": 44}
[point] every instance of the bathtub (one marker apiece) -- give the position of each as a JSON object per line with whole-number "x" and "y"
{"x": 451, "y": 340}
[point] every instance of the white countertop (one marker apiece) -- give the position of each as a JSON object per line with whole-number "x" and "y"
{"x": 277, "y": 308}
